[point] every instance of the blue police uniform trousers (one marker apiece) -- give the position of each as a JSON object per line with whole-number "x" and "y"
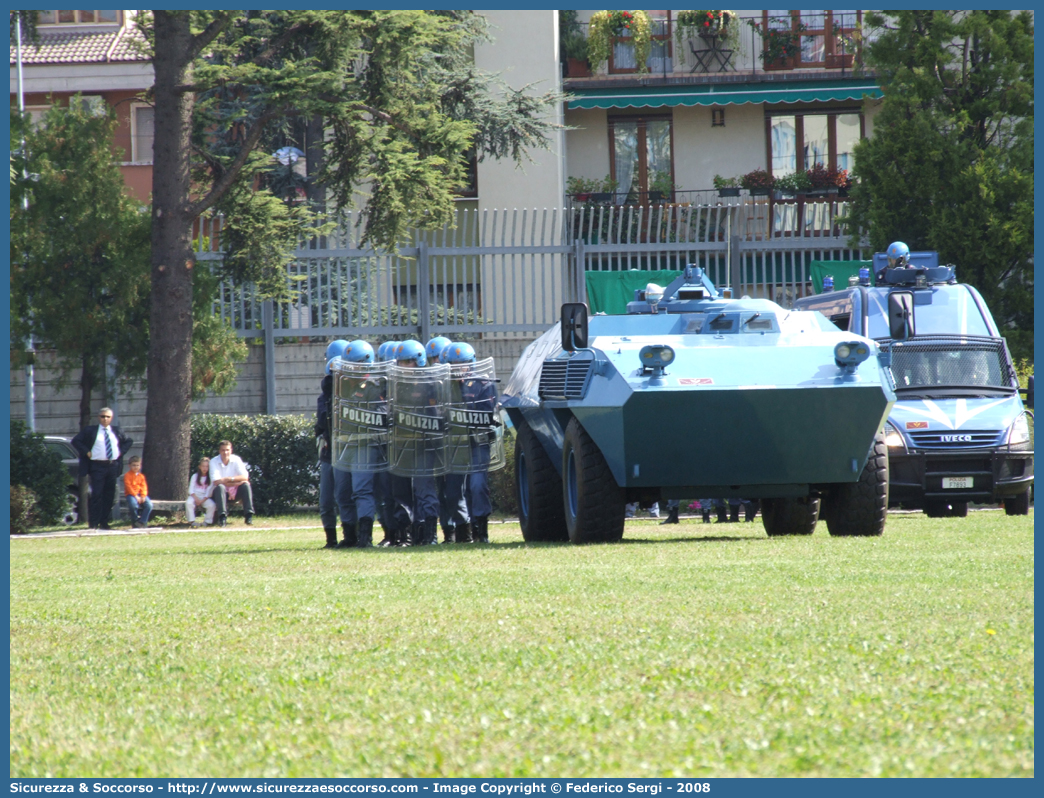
{"x": 335, "y": 496}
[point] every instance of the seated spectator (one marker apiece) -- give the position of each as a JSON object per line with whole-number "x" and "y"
{"x": 199, "y": 494}
{"x": 136, "y": 489}
{"x": 231, "y": 483}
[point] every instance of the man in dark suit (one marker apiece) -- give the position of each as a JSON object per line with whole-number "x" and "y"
{"x": 101, "y": 448}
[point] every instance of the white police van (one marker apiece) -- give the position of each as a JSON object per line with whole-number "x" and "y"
{"x": 959, "y": 431}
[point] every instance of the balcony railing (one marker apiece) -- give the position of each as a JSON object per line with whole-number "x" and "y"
{"x": 778, "y": 43}
{"x": 705, "y": 215}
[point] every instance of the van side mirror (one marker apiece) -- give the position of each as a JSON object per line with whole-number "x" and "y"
{"x": 1029, "y": 392}
{"x": 574, "y": 326}
{"x": 901, "y": 315}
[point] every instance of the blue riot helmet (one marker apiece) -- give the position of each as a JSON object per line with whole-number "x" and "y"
{"x": 412, "y": 351}
{"x": 329, "y": 364}
{"x": 459, "y": 353}
{"x": 386, "y": 351}
{"x": 336, "y": 348}
{"x": 898, "y": 254}
{"x": 435, "y": 346}
{"x": 359, "y": 351}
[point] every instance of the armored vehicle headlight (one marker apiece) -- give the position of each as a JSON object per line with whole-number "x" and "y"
{"x": 850, "y": 354}
{"x": 657, "y": 356}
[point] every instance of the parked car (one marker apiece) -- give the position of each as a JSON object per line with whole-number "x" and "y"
{"x": 71, "y": 460}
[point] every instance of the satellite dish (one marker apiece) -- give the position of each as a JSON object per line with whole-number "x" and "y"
{"x": 287, "y": 155}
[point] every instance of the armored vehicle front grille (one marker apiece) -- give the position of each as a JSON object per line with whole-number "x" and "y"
{"x": 954, "y": 439}
{"x": 564, "y": 379}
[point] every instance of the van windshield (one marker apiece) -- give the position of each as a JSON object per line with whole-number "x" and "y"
{"x": 951, "y": 311}
{"x": 951, "y": 366}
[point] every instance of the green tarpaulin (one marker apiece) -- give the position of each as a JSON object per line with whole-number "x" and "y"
{"x": 841, "y": 269}
{"x": 609, "y": 292}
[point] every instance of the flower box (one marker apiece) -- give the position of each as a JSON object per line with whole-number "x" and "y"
{"x": 577, "y": 68}
{"x": 731, "y": 191}
{"x": 760, "y": 192}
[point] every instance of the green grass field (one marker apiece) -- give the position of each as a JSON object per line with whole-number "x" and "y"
{"x": 705, "y": 650}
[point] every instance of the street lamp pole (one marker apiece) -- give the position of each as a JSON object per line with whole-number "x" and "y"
{"x": 30, "y": 390}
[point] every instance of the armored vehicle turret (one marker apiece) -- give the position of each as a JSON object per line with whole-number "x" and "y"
{"x": 692, "y": 395}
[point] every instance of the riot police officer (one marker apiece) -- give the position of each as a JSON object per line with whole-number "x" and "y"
{"x": 334, "y": 492}
{"x": 416, "y": 498}
{"x": 433, "y": 350}
{"x": 480, "y": 394}
{"x": 382, "y": 479}
{"x": 368, "y": 394}
{"x": 898, "y": 258}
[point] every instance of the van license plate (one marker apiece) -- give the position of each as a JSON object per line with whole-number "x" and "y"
{"x": 959, "y": 483}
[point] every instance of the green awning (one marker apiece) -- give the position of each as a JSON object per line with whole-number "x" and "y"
{"x": 724, "y": 94}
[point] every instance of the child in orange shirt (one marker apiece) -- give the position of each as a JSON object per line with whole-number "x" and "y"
{"x": 136, "y": 490}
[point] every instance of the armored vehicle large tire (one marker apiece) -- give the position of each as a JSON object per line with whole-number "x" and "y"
{"x": 1017, "y": 504}
{"x": 789, "y": 516}
{"x": 539, "y": 488}
{"x": 860, "y": 508}
{"x": 594, "y": 503}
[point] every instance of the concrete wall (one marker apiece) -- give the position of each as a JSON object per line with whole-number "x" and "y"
{"x": 299, "y": 370}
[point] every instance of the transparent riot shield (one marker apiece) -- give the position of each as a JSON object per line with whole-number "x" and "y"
{"x": 361, "y": 422}
{"x": 417, "y": 445}
{"x": 475, "y": 434}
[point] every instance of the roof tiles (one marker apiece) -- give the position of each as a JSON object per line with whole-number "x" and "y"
{"x": 83, "y": 47}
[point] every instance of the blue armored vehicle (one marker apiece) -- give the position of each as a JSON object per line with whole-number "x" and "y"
{"x": 959, "y": 430}
{"x": 691, "y": 394}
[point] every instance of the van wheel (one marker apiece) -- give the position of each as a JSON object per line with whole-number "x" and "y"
{"x": 859, "y": 509}
{"x": 594, "y": 503}
{"x": 539, "y": 490}
{"x": 790, "y": 516}
{"x": 1017, "y": 504}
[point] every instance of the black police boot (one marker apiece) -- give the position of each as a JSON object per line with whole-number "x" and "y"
{"x": 706, "y": 514}
{"x": 734, "y": 514}
{"x": 723, "y": 515}
{"x": 464, "y": 533}
{"x": 390, "y": 536}
{"x": 364, "y": 532}
{"x": 749, "y": 511}
{"x": 407, "y": 537}
{"x": 429, "y": 532}
{"x": 331, "y": 537}
{"x": 449, "y": 534}
{"x": 672, "y": 517}
{"x": 349, "y": 537}
{"x": 480, "y": 525}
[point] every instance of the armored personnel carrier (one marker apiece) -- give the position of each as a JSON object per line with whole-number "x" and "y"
{"x": 693, "y": 395}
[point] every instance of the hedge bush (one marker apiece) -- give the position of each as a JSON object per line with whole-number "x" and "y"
{"x": 502, "y": 492}
{"x": 279, "y": 450}
{"x": 23, "y": 509}
{"x": 36, "y": 467}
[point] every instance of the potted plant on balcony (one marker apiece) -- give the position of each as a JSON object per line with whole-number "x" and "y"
{"x": 585, "y": 189}
{"x": 846, "y": 42}
{"x": 572, "y": 45}
{"x": 793, "y": 184}
{"x": 708, "y": 25}
{"x": 661, "y": 187}
{"x": 758, "y": 182}
{"x": 779, "y": 46}
{"x": 727, "y": 186}
{"x": 827, "y": 180}
{"x": 606, "y": 26}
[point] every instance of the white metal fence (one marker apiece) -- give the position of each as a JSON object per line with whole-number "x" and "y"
{"x": 507, "y": 272}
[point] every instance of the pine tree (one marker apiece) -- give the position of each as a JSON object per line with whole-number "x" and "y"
{"x": 402, "y": 102}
